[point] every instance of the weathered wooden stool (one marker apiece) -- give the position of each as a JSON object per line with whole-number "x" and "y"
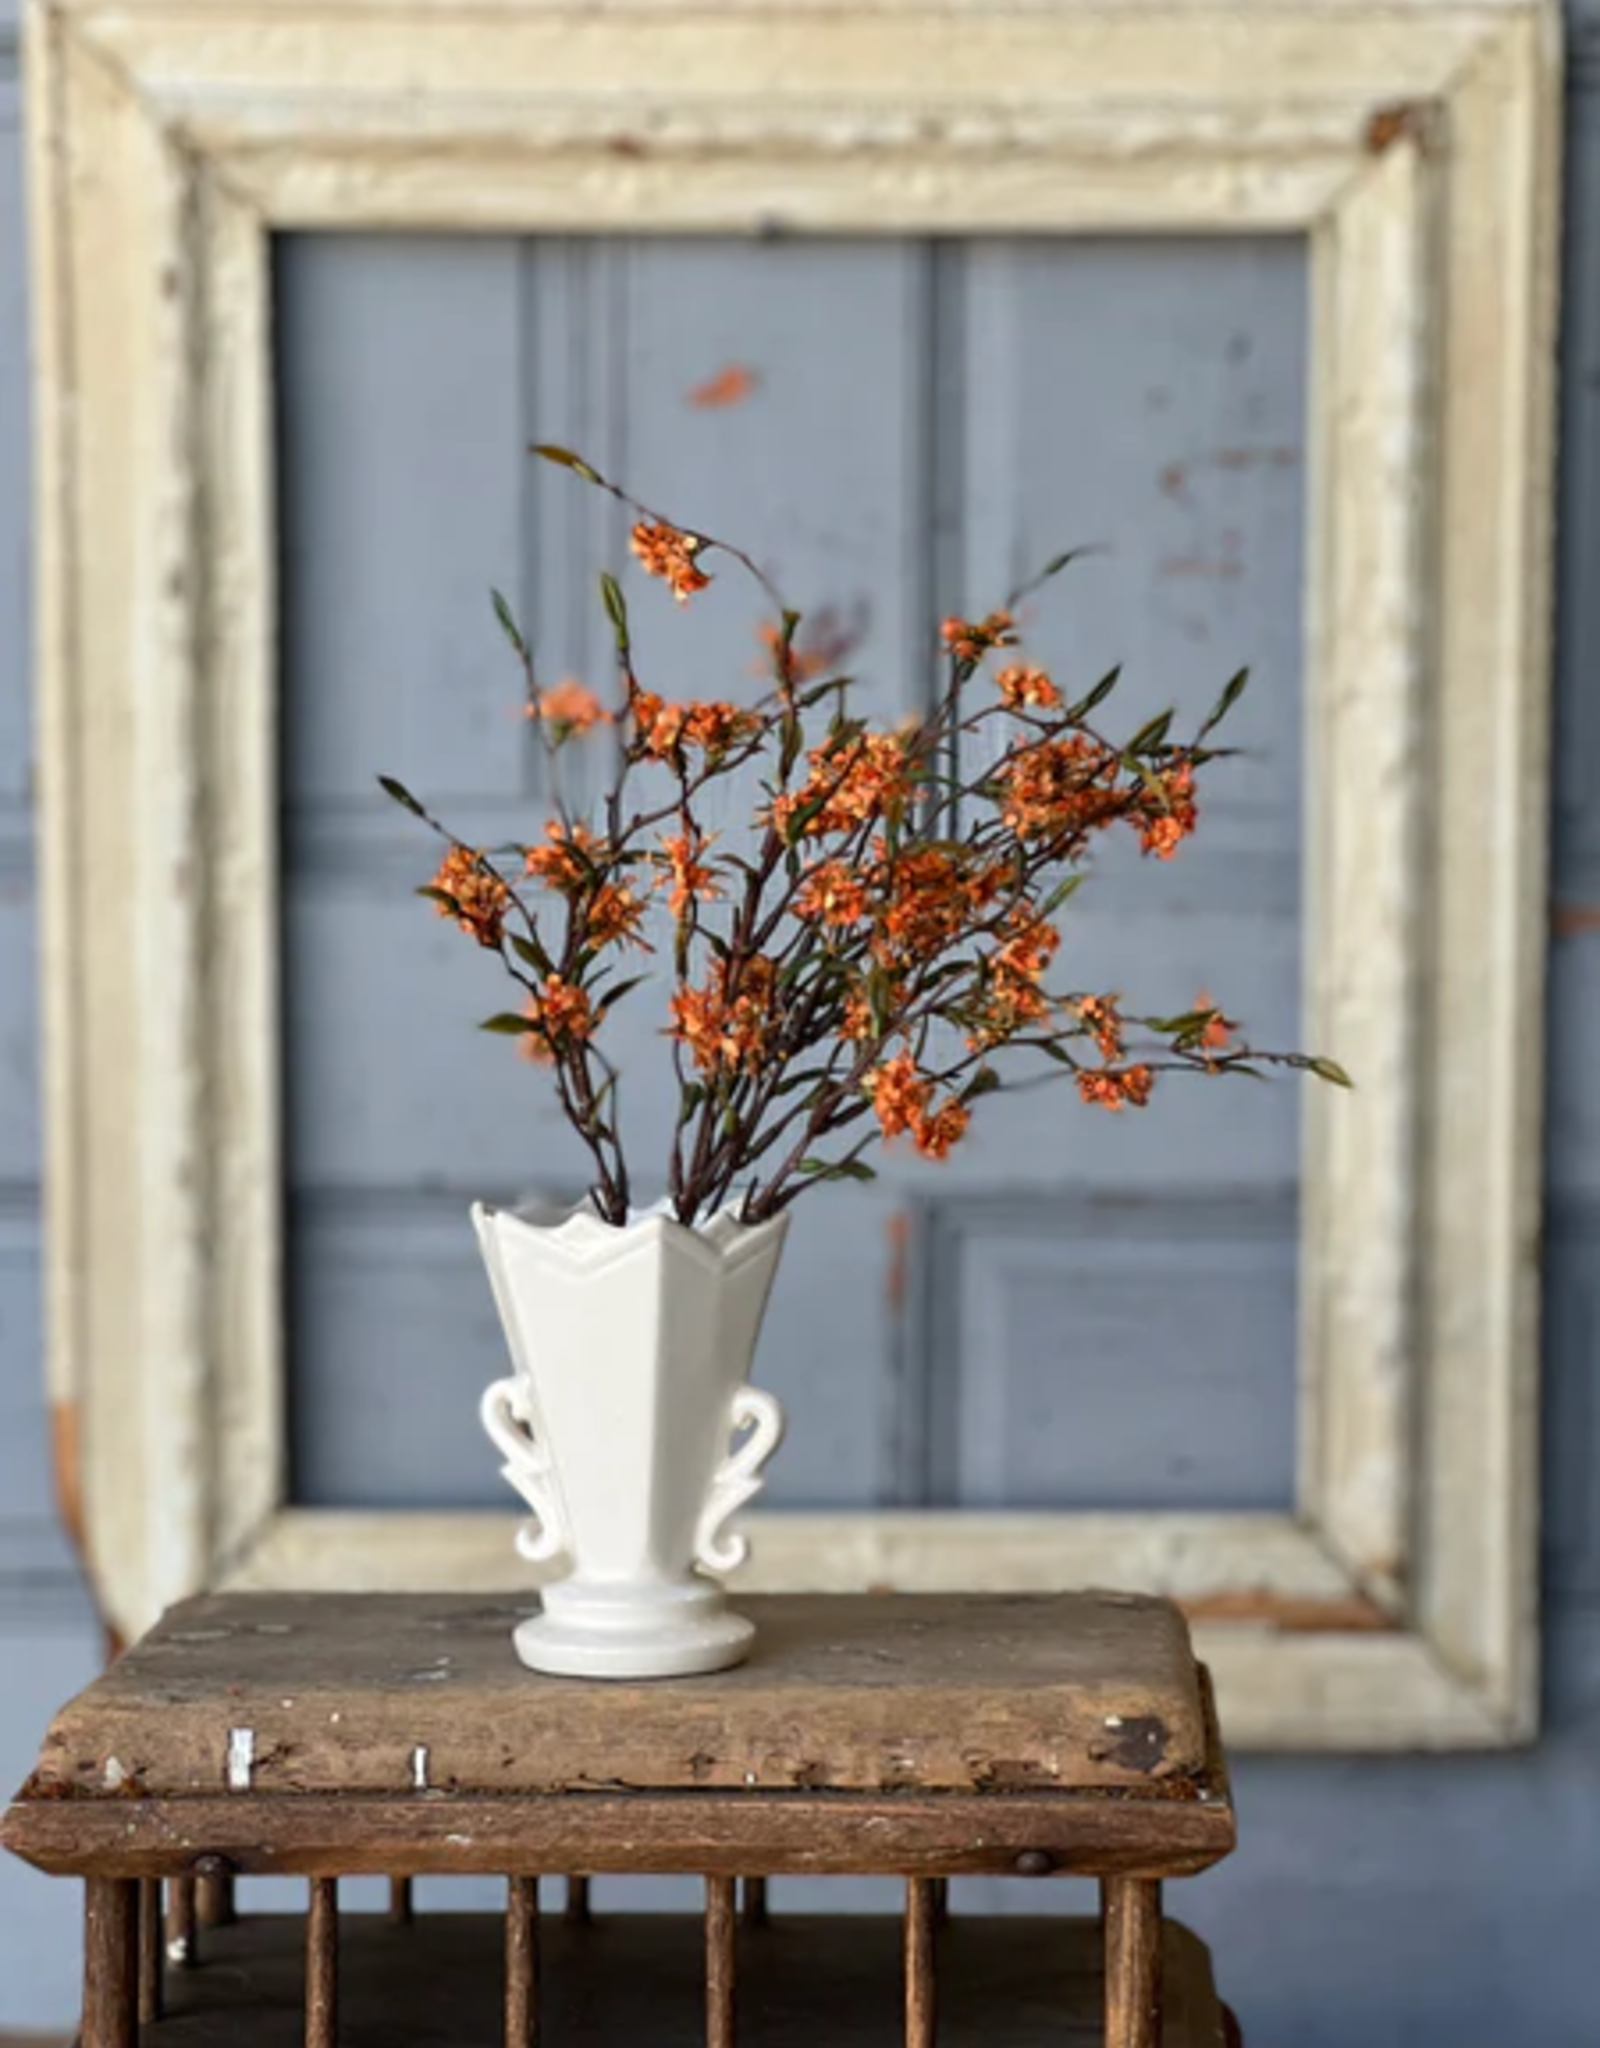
{"x": 923, "y": 1737}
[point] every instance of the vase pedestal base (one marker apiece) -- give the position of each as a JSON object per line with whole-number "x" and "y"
{"x": 653, "y": 1631}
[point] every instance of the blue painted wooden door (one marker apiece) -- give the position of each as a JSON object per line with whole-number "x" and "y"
{"x": 1079, "y": 1309}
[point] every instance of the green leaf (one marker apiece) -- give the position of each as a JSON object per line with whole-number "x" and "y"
{"x": 531, "y": 953}
{"x": 1330, "y": 1070}
{"x": 508, "y": 1024}
{"x": 442, "y": 897}
{"x": 1059, "y": 895}
{"x": 616, "y": 609}
{"x": 984, "y": 1082}
{"x": 1231, "y": 694}
{"x": 614, "y": 995}
{"x": 837, "y": 1169}
{"x": 1096, "y": 697}
{"x": 508, "y": 624}
{"x": 565, "y": 459}
{"x": 401, "y": 795}
{"x": 1189, "y": 1021}
{"x": 1150, "y": 735}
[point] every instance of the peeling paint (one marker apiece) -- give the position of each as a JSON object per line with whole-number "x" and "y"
{"x": 419, "y": 1767}
{"x": 1573, "y": 920}
{"x": 1413, "y": 121}
{"x": 241, "y": 1758}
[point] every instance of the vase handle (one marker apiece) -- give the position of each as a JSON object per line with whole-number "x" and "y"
{"x": 738, "y": 1479}
{"x": 528, "y": 1467}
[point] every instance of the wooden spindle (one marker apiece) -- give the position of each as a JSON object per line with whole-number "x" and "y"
{"x": 322, "y": 1964}
{"x": 214, "y": 1906}
{"x": 110, "y": 1963}
{"x": 921, "y": 1985}
{"x": 183, "y": 1937}
{"x": 522, "y": 1962}
{"x": 1133, "y": 1961}
{"x": 941, "y": 1900}
{"x": 755, "y": 1902}
{"x": 151, "y": 1929}
{"x": 720, "y": 1922}
{"x": 400, "y": 1905}
{"x": 578, "y": 1914}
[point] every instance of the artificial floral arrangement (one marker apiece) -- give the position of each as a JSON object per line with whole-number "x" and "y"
{"x": 876, "y": 959}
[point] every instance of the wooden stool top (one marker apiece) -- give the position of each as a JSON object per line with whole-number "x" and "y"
{"x": 345, "y": 1732}
{"x": 338, "y": 1692}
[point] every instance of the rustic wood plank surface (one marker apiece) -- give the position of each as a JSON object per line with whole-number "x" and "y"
{"x": 1009, "y": 1983}
{"x": 370, "y": 1693}
{"x": 1039, "y": 1834}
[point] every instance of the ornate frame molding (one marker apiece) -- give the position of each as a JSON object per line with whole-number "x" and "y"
{"x": 1413, "y": 141}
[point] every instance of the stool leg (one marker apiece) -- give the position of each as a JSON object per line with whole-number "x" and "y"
{"x": 522, "y": 1962}
{"x": 921, "y": 1985}
{"x": 719, "y": 1962}
{"x": 214, "y": 1902}
{"x": 110, "y": 1962}
{"x": 1132, "y": 1908}
{"x": 183, "y": 1922}
{"x": 151, "y": 1934}
{"x": 322, "y": 1964}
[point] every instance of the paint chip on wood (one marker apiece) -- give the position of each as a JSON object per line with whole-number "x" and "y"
{"x": 241, "y": 1758}
{"x": 419, "y": 1767}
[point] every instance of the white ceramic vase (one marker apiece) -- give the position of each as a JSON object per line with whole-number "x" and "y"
{"x": 632, "y": 1348}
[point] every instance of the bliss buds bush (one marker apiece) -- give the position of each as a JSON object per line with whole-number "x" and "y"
{"x": 878, "y": 957}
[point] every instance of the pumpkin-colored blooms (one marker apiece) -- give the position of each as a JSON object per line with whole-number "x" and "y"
{"x": 971, "y": 639}
{"x": 1027, "y": 689}
{"x": 902, "y": 1099}
{"x": 866, "y": 776}
{"x": 832, "y": 892}
{"x": 1168, "y": 824}
{"x": 885, "y": 930}
{"x": 561, "y": 1015}
{"x": 1060, "y": 789}
{"x": 478, "y": 897}
{"x": 728, "y": 1031}
{"x": 662, "y": 728}
{"x": 1115, "y": 1087}
{"x": 1101, "y": 1019}
{"x": 568, "y": 708}
{"x": 668, "y": 552}
{"x": 689, "y": 878}
{"x": 571, "y": 857}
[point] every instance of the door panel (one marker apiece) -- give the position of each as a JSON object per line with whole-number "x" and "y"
{"x": 1080, "y": 1309}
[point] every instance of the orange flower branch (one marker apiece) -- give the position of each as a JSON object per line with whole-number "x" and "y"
{"x": 872, "y": 961}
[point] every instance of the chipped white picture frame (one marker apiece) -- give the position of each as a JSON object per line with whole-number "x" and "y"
{"x": 1414, "y": 143}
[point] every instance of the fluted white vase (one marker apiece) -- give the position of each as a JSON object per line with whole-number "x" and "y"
{"x": 632, "y": 1346}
